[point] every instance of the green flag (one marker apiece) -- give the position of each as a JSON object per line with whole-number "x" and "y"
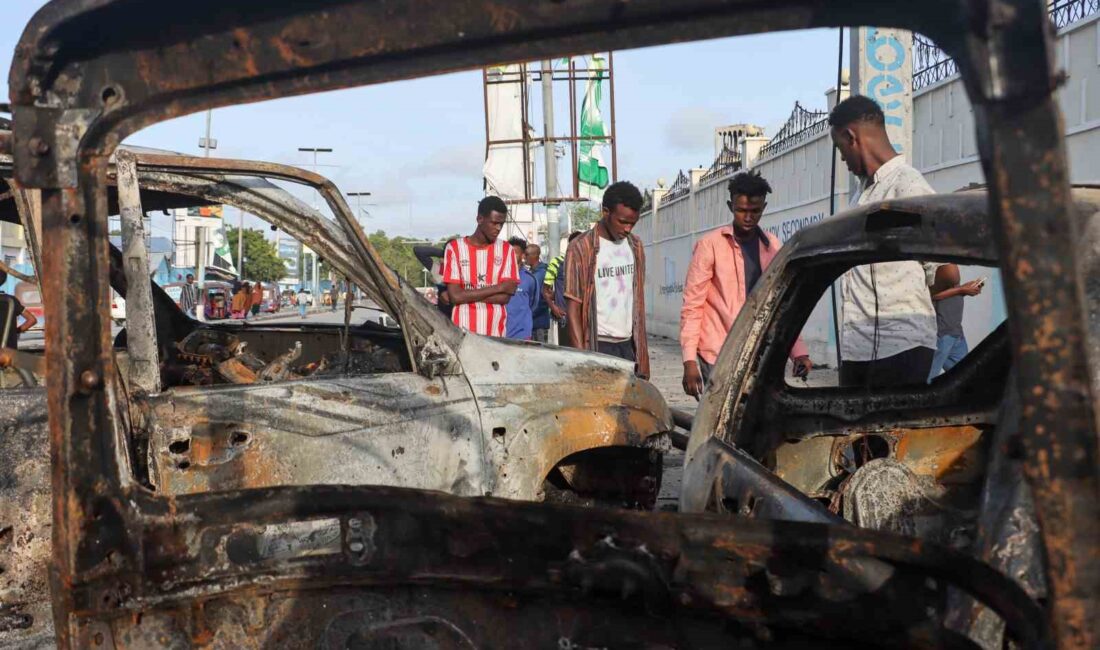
{"x": 591, "y": 166}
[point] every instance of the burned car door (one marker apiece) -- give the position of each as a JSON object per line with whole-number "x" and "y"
{"x": 931, "y": 460}
{"x": 909, "y": 458}
{"x": 260, "y": 405}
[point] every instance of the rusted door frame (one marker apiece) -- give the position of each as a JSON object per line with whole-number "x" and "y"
{"x": 90, "y": 72}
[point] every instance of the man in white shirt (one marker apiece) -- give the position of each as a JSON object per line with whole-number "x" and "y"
{"x": 888, "y": 333}
{"x": 605, "y": 282}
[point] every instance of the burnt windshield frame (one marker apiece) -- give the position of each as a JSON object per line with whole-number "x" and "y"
{"x": 221, "y": 180}
{"x": 770, "y": 397}
{"x": 90, "y": 72}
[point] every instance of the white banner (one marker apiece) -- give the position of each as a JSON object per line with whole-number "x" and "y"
{"x": 503, "y": 169}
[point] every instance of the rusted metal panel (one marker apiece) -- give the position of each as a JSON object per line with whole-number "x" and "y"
{"x": 396, "y": 429}
{"x": 87, "y": 73}
{"x": 512, "y": 556}
{"x": 540, "y": 404}
{"x": 1039, "y": 232}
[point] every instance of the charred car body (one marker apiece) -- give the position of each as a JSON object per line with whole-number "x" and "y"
{"x": 912, "y": 459}
{"x": 336, "y": 565}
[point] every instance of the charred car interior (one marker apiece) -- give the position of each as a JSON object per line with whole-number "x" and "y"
{"x": 196, "y": 492}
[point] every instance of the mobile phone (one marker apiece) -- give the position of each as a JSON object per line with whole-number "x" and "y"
{"x": 981, "y": 281}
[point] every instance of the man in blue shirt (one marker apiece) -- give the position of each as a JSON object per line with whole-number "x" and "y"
{"x": 540, "y": 319}
{"x": 522, "y": 304}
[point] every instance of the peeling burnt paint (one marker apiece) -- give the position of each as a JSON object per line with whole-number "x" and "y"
{"x": 88, "y": 73}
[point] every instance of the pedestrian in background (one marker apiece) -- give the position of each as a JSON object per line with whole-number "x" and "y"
{"x": 888, "y": 333}
{"x": 431, "y": 258}
{"x": 521, "y": 307}
{"x": 303, "y": 300}
{"x": 725, "y": 265}
{"x": 553, "y": 291}
{"x": 257, "y": 298}
{"x": 238, "y": 306}
{"x": 605, "y": 282}
{"x": 189, "y": 296}
{"x": 948, "y": 296}
{"x": 481, "y": 273}
{"x": 10, "y": 311}
{"x": 540, "y": 320}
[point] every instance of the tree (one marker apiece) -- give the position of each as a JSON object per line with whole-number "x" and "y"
{"x": 261, "y": 260}
{"x": 397, "y": 253}
{"x": 583, "y": 216}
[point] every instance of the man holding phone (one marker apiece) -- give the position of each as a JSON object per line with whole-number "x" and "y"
{"x": 947, "y": 297}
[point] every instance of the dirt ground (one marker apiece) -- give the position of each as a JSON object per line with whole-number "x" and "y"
{"x": 666, "y": 370}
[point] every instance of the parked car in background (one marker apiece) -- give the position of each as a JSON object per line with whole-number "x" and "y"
{"x": 118, "y": 308}
{"x": 216, "y": 298}
{"x": 271, "y": 303}
{"x": 30, "y": 296}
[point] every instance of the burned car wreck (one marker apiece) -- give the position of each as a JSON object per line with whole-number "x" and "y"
{"x": 369, "y": 566}
{"x": 394, "y": 425}
{"x": 918, "y": 460}
{"x": 442, "y": 412}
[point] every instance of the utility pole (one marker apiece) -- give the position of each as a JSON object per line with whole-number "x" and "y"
{"x": 240, "y": 244}
{"x": 313, "y": 254}
{"x": 206, "y": 144}
{"x": 200, "y": 270}
{"x": 553, "y": 228}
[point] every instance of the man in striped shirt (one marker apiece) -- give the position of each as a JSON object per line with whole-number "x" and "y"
{"x": 481, "y": 274}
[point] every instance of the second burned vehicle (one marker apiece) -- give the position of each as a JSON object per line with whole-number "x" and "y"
{"x": 937, "y": 460}
{"x": 248, "y": 405}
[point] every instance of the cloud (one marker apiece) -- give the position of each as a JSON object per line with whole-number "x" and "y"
{"x": 692, "y": 128}
{"x": 459, "y": 160}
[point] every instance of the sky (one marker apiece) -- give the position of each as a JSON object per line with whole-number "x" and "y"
{"x": 418, "y": 146}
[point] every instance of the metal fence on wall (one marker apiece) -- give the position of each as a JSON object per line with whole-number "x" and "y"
{"x": 801, "y": 126}
{"x": 932, "y": 65}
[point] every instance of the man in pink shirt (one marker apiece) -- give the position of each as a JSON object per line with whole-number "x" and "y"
{"x": 725, "y": 265}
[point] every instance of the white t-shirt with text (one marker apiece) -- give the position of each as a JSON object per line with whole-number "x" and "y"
{"x": 615, "y": 290}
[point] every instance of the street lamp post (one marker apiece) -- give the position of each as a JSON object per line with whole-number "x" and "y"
{"x": 208, "y": 143}
{"x": 359, "y": 205}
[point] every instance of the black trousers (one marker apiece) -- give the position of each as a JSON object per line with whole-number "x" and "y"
{"x": 625, "y": 350}
{"x": 903, "y": 369}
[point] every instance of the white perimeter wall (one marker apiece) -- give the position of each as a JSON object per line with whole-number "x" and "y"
{"x": 944, "y": 150}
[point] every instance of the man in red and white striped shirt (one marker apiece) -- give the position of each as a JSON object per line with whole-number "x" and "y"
{"x": 480, "y": 272}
